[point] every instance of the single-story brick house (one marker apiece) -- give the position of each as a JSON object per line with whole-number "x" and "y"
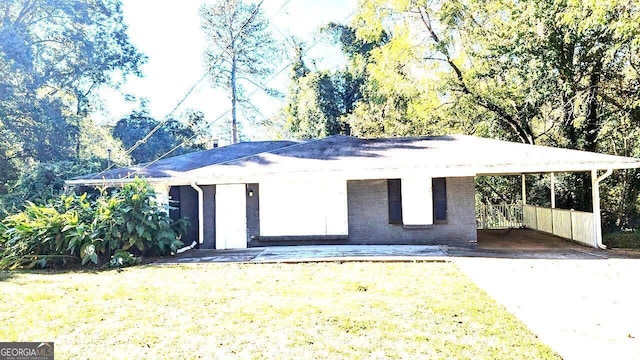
{"x": 349, "y": 190}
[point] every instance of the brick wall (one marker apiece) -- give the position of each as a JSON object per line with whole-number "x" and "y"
{"x": 209, "y": 216}
{"x": 369, "y": 216}
{"x": 253, "y": 212}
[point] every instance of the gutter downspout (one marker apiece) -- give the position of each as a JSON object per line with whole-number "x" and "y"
{"x": 595, "y": 190}
{"x": 200, "y": 211}
{"x": 188, "y": 247}
{"x": 200, "y": 220}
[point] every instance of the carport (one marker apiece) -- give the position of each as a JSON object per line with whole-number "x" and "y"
{"x": 578, "y": 226}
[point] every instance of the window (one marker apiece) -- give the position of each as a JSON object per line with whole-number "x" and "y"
{"x": 439, "y": 200}
{"x": 395, "y": 201}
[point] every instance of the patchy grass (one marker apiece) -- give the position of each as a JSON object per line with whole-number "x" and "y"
{"x": 308, "y": 311}
{"x": 622, "y": 239}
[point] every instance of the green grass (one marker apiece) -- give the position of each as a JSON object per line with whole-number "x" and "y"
{"x": 280, "y": 311}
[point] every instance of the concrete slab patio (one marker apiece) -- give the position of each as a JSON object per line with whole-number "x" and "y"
{"x": 317, "y": 253}
{"x": 519, "y": 244}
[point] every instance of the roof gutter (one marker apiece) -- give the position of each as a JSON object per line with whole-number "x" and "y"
{"x": 595, "y": 189}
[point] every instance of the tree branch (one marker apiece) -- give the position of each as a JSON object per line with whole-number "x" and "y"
{"x": 524, "y": 135}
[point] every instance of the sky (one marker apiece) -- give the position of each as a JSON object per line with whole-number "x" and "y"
{"x": 169, "y": 33}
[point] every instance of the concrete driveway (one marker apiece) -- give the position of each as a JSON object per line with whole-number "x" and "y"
{"x": 582, "y": 308}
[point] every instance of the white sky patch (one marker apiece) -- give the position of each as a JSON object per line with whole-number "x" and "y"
{"x": 169, "y": 33}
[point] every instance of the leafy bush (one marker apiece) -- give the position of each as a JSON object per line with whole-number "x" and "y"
{"x": 45, "y": 181}
{"x": 623, "y": 239}
{"x": 36, "y": 236}
{"x": 131, "y": 218}
{"x": 123, "y": 258}
{"x": 76, "y": 228}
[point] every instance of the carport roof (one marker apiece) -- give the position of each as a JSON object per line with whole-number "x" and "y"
{"x": 356, "y": 158}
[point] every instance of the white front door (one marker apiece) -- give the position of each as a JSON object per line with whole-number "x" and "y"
{"x": 231, "y": 216}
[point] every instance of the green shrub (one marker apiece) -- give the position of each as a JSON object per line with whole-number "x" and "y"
{"x": 76, "y": 228}
{"x": 623, "y": 239}
{"x": 131, "y": 218}
{"x": 35, "y": 236}
{"x": 122, "y": 258}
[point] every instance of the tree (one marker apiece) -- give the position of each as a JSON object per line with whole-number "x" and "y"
{"x": 54, "y": 54}
{"x": 171, "y": 134}
{"x": 320, "y": 102}
{"x": 552, "y": 72}
{"x": 315, "y": 104}
{"x": 240, "y": 50}
{"x": 378, "y": 92}
{"x": 538, "y": 70}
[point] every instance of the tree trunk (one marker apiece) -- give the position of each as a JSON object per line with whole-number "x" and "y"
{"x": 81, "y": 110}
{"x": 234, "y": 123}
{"x": 591, "y": 128}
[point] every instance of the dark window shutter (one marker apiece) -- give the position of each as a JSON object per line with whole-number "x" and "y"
{"x": 439, "y": 199}
{"x": 395, "y": 201}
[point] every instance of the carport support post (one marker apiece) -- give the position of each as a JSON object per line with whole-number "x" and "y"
{"x": 553, "y": 190}
{"x": 524, "y": 189}
{"x": 595, "y": 192}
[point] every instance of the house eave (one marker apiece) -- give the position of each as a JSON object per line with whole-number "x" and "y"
{"x": 119, "y": 182}
{"x": 248, "y": 176}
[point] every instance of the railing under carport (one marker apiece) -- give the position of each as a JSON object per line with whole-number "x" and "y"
{"x": 569, "y": 224}
{"x": 503, "y": 216}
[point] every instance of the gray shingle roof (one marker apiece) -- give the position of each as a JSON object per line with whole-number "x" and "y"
{"x": 357, "y": 158}
{"x": 172, "y": 166}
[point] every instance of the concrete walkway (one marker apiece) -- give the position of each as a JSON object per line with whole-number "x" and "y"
{"x": 323, "y": 253}
{"x": 514, "y": 244}
{"x": 316, "y": 253}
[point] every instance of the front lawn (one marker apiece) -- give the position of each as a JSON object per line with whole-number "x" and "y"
{"x": 308, "y": 311}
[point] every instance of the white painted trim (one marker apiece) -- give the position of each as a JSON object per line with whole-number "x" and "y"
{"x": 236, "y": 175}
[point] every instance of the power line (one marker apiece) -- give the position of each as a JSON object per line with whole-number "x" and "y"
{"x": 229, "y": 110}
{"x": 188, "y": 93}
{"x": 166, "y": 119}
